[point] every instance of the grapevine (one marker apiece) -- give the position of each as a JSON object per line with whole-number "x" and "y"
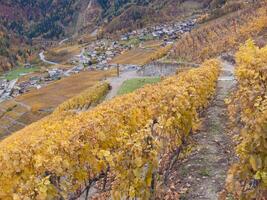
{"x": 247, "y": 179}
{"x": 64, "y": 152}
{"x": 221, "y": 35}
{"x": 86, "y": 99}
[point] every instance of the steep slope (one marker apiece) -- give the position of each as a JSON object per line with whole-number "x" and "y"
{"x": 131, "y": 14}
{"x": 55, "y": 19}
{"x": 35, "y": 18}
{"x": 13, "y": 49}
{"x": 20, "y": 21}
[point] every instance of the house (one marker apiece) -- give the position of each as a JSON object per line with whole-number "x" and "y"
{"x": 27, "y": 66}
{"x": 155, "y": 34}
{"x": 125, "y": 38}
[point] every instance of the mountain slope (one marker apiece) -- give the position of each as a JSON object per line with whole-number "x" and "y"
{"x": 131, "y": 14}
{"x": 54, "y": 19}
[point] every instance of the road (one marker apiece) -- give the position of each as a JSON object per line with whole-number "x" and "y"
{"x": 62, "y": 41}
{"x": 42, "y": 57}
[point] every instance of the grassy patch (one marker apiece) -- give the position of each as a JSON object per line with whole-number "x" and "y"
{"x": 132, "y": 41}
{"x": 133, "y": 84}
{"x": 15, "y": 73}
{"x": 204, "y": 172}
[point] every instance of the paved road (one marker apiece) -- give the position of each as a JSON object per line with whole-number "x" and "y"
{"x": 62, "y": 41}
{"x": 42, "y": 57}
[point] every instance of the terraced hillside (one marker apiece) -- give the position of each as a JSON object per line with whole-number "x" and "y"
{"x": 222, "y": 34}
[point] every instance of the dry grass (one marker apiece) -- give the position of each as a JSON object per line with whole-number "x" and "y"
{"x": 57, "y": 92}
{"x": 86, "y": 38}
{"x": 7, "y": 104}
{"x": 30, "y": 117}
{"x": 63, "y": 53}
{"x": 3, "y": 131}
{"x": 138, "y": 56}
{"x": 152, "y": 44}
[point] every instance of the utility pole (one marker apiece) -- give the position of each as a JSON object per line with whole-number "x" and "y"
{"x": 118, "y": 70}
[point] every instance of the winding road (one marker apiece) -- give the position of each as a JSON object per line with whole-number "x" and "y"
{"x": 42, "y": 57}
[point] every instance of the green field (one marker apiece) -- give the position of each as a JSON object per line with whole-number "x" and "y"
{"x": 17, "y": 72}
{"x": 133, "y": 84}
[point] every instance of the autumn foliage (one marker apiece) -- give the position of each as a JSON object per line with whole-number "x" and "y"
{"x": 222, "y": 34}
{"x": 160, "y": 53}
{"x": 248, "y": 111}
{"x": 84, "y": 100}
{"x": 126, "y": 136}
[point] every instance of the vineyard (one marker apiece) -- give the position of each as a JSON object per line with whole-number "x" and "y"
{"x": 65, "y": 153}
{"x": 32, "y": 106}
{"x": 198, "y": 134}
{"x": 222, "y": 34}
{"x": 85, "y": 100}
{"x": 142, "y": 56}
{"x": 248, "y": 112}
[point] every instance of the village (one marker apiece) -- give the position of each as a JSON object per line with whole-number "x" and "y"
{"x": 98, "y": 55}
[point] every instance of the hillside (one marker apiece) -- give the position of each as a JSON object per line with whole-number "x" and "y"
{"x": 198, "y": 132}
{"x": 13, "y": 49}
{"x": 36, "y": 18}
{"x": 52, "y": 20}
{"x": 221, "y": 35}
{"x": 126, "y": 15}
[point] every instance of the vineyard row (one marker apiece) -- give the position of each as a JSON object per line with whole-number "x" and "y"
{"x": 125, "y": 137}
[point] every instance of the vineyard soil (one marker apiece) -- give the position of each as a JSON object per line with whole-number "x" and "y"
{"x": 201, "y": 175}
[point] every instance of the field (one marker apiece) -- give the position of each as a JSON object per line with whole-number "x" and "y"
{"x": 55, "y": 93}
{"x": 152, "y": 44}
{"x": 136, "y": 56}
{"x": 136, "y": 83}
{"x": 145, "y": 53}
{"x": 63, "y": 53}
{"x": 32, "y": 106}
{"x": 15, "y": 115}
{"x": 16, "y": 72}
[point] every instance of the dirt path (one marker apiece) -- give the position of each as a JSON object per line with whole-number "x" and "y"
{"x": 202, "y": 174}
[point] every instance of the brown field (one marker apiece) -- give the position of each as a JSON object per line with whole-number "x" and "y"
{"x": 152, "y": 44}
{"x": 138, "y": 56}
{"x": 57, "y": 92}
{"x": 86, "y": 38}
{"x": 36, "y": 104}
{"x": 63, "y": 53}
